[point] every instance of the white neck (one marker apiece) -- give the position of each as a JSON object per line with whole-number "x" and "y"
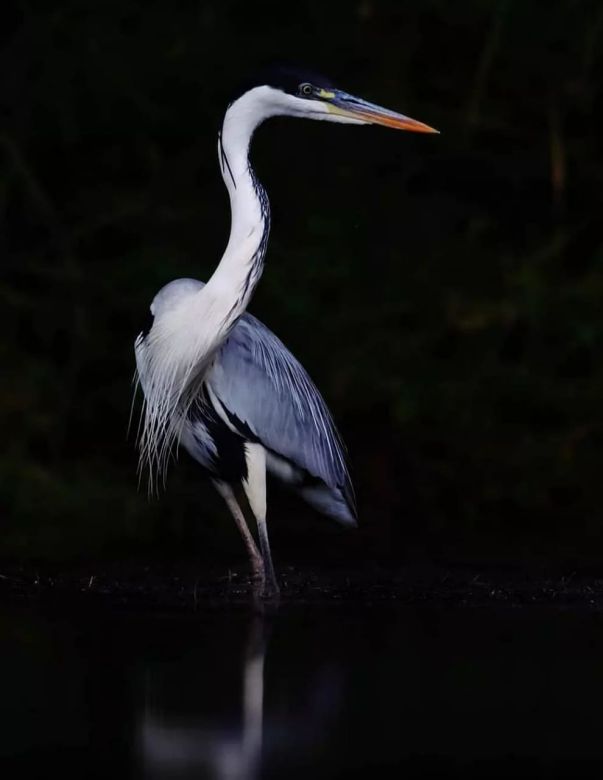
{"x": 234, "y": 280}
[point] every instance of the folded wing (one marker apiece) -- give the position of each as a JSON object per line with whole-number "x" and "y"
{"x": 268, "y": 396}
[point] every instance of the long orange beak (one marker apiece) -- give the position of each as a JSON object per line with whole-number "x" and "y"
{"x": 354, "y": 108}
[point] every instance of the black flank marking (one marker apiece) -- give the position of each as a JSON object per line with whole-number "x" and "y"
{"x": 242, "y": 427}
{"x": 229, "y": 463}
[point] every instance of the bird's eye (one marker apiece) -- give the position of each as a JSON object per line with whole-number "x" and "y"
{"x": 306, "y": 89}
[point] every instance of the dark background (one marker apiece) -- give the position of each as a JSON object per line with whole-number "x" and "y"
{"x": 443, "y": 291}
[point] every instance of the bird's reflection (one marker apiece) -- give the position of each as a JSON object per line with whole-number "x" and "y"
{"x": 177, "y": 743}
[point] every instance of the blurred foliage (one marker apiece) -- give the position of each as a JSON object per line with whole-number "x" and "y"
{"x": 444, "y": 292}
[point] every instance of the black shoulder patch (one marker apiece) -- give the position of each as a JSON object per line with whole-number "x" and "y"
{"x": 229, "y": 463}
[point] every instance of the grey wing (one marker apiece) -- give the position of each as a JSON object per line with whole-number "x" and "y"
{"x": 268, "y": 396}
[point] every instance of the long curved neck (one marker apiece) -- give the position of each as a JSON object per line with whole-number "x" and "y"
{"x": 240, "y": 269}
{"x": 175, "y": 356}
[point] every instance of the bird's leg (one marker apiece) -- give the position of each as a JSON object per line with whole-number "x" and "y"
{"x": 255, "y": 489}
{"x": 255, "y": 558}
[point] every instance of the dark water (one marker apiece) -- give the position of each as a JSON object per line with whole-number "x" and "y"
{"x": 309, "y": 692}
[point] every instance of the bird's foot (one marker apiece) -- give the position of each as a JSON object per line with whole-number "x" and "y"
{"x": 264, "y": 584}
{"x": 258, "y": 575}
{"x": 270, "y": 590}
{"x": 266, "y": 592}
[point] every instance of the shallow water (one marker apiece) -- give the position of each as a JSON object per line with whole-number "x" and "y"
{"x": 327, "y": 691}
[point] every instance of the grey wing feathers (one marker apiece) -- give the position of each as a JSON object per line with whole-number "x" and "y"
{"x": 268, "y": 392}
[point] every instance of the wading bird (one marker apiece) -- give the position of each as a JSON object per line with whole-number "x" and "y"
{"x": 216, "y": 380}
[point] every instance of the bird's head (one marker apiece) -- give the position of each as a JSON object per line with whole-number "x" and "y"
{"x": 286, "y": 90}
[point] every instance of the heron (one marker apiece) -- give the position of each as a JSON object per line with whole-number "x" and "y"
{"x": 218, "y": 382}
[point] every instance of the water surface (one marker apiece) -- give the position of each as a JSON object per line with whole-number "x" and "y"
{"x": 331, "y": 691}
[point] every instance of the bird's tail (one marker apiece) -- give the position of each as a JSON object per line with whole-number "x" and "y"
{"x": 330, "y": 502}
